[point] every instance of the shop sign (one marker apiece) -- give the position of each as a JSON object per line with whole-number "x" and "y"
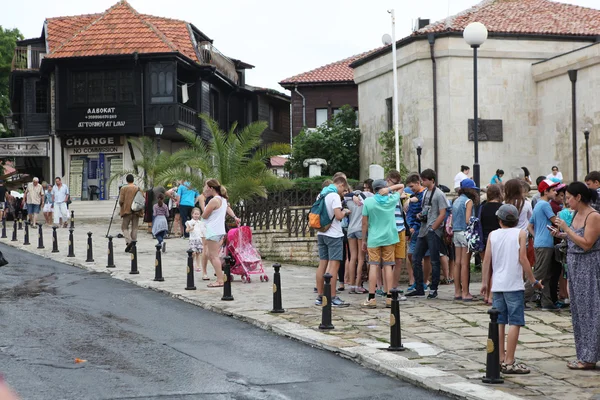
{"x": 94, "y": 150}
{"x": 92, "y": 141}
{"x": 101, "y": 117}
{"x": 19, "y": 149}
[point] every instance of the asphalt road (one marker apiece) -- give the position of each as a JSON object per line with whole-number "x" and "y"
{"x": 140, "y": 344}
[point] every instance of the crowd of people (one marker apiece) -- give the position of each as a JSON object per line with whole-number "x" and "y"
{"x": 540, "y": 254}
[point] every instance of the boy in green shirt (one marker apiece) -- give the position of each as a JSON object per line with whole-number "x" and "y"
{"x": 380, "y": 235}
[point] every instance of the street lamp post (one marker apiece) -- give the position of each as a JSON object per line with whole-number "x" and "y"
{"x": 158, "y": 129}
{"x": 475, "y": 34}
{"x": 586, "y": 133}
{"x": 418, "y": 143}
{"x": 387, "y": 40}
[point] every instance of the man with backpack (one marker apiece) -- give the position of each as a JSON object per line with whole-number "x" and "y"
{"x": 326, "y": 216}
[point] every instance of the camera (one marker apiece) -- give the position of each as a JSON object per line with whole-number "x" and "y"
{"x": 422, "y": 217}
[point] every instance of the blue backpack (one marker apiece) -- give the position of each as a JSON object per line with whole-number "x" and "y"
{"x": 474, "y": 233}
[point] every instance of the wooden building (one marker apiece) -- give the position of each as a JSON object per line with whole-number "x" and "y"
{"x": 90, "y": 82}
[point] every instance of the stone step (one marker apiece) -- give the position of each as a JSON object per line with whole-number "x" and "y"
{"x": 94, "y": 209}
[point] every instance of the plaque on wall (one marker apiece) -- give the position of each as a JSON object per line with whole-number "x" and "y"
{"x": 489, "y": 130}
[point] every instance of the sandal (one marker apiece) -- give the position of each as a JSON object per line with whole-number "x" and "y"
{"x": 580, "y": 365}
{"x": 215, "y": 284}
{"x": 205, "y": 278}
{"x": 514, "y": 369}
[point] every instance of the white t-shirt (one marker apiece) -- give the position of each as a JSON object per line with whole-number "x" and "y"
{"x": 525, "y": 216}
{"x": 558, "y": 176}
{"x": 461, "y": 176}
{"x": 199, "y": 229}
{"x": 333, "y": 201}
{"x": 507, "y": 273}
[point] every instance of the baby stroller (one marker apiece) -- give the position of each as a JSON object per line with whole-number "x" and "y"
{"x": 246, "y": 257}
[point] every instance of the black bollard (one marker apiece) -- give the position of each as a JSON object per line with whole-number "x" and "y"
{"x": 492, "y": 369}
{"x": 133, "y": 251}
{"x": 90, "y": 251}
{"x": 71, "y": 244}
{"x": 190, "y": 271}
{"x": 54, "y": 240}
{"x": 227, "y": 280}
{"x": 40, "y": 237}
{"x": 395, "y": 326}
{"x": 277, "y": 304}
{"x": 14, "y": 235}
{"x": 26, "y": 236}
{"x": 326, "y": 313}
{"x": 111, "y": 256}
{"x": 4, "y": 228}
{"x": 20, "y": 217}
{"x": 158, "y": 265}
{"x": 72, "y": 220}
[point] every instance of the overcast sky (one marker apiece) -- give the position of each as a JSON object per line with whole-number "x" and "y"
{"x": 281, "y": 38}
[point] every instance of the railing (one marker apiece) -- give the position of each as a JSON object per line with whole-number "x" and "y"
{"x": 27, "y": 58}
{"x": 298, "y": 222}
{"x": 187, "y": 116}
{"x": 210, "y": 55}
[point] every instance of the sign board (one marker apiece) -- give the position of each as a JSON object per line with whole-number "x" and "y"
{"x": 23, "y": 148}
{"x": 100, "y": 120}
{"x": 84, "y": 141}
{"x": 488, "y": 130}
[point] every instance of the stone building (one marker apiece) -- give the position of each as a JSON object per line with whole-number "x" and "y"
{"x": 525, "y": 90}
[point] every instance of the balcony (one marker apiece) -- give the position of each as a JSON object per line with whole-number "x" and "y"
{"x": 209, "y": 55}
{"x": 187, "y": 117}
{"x": 27, "y": 58}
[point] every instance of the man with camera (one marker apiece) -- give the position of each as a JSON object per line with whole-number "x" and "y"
{"x": 432, "y": 217}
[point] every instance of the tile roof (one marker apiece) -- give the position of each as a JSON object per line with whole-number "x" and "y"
{"x": 119, "y": 30}
{"x": 540, "y": 17}
{"x": 336, "y": 72}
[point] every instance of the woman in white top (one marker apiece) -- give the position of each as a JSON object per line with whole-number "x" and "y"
{"x": 513, "y": 194}
{"x": 462, "y": 175}
{"x": 214, "y": 220}
{"x": 555, "y": 175}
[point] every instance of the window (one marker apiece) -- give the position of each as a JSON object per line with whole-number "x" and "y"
{"x": 390, "y": 114}
{"x": 273, "y": 118}
{"x": 320, "y": 116}
{"x": 102, "y": 87}
{"x": 41, "y": 98}
{"x": 162, "y": 82}
{"x": 249, "y": 115}
{"x": 126, "y": 86}
{"x": 78, "y": 86}
{"x": 214, "y": 105}
{"x": 336, "y": 111}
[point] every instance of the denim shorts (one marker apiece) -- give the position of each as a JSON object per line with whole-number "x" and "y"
{"x": 215, "y": 238}
{"x": 511, "y": 306}
{"x": 330, "y": 248}
{"x": 412, "y": 245}
{"x": 355, "y": 235}
{"x": 33, "y": 208}
{"x": 459, "y": 239}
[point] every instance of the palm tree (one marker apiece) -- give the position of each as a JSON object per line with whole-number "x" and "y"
{"x": 236, "y": 159}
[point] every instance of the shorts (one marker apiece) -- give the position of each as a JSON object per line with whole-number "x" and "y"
{"x": 330, "y": 248}
{"x": 2, "y": 205}
{"x": 47, "y": 207}
{"x": 196, "y": 245}
{"x": 459, "y": 239}
{"x": 33, "y": 208}
{"x": 511, "y": 306}
{"x": 412, "y": 245}
{"x": 400, "y": 247}
{"x": 382, "y": 256}
{"x": 215, "y": 238}
{"x": 355, "y": 235}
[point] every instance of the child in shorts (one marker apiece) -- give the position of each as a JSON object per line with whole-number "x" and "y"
{"x": 195, "y": 227}
{"x": 508, "y": 253}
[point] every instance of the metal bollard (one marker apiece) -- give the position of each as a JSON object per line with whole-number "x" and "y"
{"x": 40, "y": 237}
{"x": 158, "y": 265}
{"x": 26, "y": 236}
{"x": 4, "y": 228}
{"x": 72, "y": 220}
{"x": 277, "y": 303}
{"x": 111, "y": 256}
{"x": 54, "y": 240}
{"x": 133, "y": 251}
{"x": 227, "y": 280}
{"x": 20, "y": 218}
{"x": 14, "y": 235}
{"x": 190, "y": 271}
{"x": 395, "y": 326}
{"x": 71, "y": 244}
{"x": 90, "y": 251}
{"x": 326, "y": 313}
{"x": 492, "y": 369}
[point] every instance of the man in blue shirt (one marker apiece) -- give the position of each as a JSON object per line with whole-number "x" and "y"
{"x": 186, "y": 196}
{"x": 546, "y": 269}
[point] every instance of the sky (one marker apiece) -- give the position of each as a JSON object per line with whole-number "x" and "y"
{"x": 280, "y": 38}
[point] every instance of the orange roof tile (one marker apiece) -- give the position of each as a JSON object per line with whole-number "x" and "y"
{"x": 336, "y": 72}
{"x": 542, "y": 17}
{"x": 61, "y": 29}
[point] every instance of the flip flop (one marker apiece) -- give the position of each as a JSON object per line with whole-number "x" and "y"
{"x": 469, "y": 300}
{"x": 580, "y": 365}
{"x": 214, "y": 285}
{"x": 458, "y": 298}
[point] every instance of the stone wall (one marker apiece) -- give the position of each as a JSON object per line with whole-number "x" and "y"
{"x": 277, "y": 246}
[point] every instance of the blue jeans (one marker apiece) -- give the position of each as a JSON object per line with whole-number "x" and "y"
{"x": 431, "y": 243}
{"x": 160, "y": 236}
{"x": 186, "y": 214}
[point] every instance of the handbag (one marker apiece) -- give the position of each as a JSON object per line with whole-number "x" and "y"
{"x": 139, "y": 202}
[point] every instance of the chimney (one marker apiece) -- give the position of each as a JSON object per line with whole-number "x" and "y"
{"x": 422, "y": 23}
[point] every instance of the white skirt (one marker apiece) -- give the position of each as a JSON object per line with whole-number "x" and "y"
{"x": 47, "y": 208}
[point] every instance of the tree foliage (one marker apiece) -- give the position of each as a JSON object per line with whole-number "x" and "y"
{"x": 8, "y": 39}
{"x": 236, "y": 158}
{"x": 337, "y": 141}
{"x": 387, "y": 140}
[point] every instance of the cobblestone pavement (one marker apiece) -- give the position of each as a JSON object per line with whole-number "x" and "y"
{"x": 445, "y": 339}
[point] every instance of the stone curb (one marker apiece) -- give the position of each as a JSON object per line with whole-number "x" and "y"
{"x": 391, "y": 364}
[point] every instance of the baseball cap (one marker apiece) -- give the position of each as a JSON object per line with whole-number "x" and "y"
{"x": 379, "y": 184}
{"x": 508, "y": 212}
{"x": 560, "y": 186}
{"x": 468, "y": 184}
{"x": 546, "y": 184}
